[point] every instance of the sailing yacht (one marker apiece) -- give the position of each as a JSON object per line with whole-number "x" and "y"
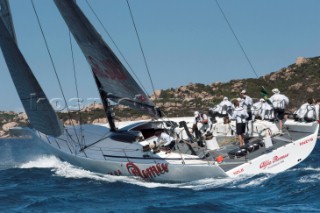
{"x": 120, "y": 150}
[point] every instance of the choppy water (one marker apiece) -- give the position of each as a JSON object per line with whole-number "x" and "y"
{"x": 31, "y": 181}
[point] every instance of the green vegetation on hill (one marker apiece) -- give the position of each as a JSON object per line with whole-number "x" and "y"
{"x": 297, "y": 81}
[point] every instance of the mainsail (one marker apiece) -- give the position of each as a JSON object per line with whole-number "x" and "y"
{"x": 113, "y": 80}
{"x": 40, "y": 113}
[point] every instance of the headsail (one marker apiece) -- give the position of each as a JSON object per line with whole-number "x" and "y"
{"x": 7, "y": 18}
{"x": 111, "y": 76}
{"x": 40, "y": 113}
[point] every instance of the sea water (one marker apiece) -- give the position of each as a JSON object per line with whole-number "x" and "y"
{"x": 34, "y": 181}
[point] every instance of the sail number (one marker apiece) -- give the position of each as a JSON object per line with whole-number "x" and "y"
{"x": 107, "y": 69}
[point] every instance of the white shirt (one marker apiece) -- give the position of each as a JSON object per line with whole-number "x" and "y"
{"x": 307, "y": 110}
{"x": 246, "y": 102}
{"x": 217, "y": 109}
{"x": 240, "y": 114}
{"x": 279, "y": 101}
{"x": 164, "y": 137}
{"x": 228, "y": 104}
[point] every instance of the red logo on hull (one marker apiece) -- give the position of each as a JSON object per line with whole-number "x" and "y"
{"x": 275, "y": 159}
{"x": 148, "y": 173}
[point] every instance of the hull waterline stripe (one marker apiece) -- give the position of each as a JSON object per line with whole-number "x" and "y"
{"x": 150, "y": 158}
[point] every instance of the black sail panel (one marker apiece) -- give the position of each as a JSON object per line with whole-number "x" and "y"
{"x": 38, "y": 108}
{"x": 113, "y": 77}
{"x": 5, "y": 14}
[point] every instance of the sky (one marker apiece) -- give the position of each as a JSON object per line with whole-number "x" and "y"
{"x": 184, "y": 41}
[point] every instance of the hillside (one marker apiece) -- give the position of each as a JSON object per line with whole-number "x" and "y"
{"x": 298, "y": 81}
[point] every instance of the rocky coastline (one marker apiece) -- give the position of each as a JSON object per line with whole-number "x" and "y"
{"x": 298, "y": 81}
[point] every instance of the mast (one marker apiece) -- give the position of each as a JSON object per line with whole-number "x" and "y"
{"x": 106, "y": 106}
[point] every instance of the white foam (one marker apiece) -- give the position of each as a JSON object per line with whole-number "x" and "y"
{"x": 195, "y": 185}
{"x": 311, "y": 169}
{"x": 256, "y": 181}
{"x": 306, "y": 169}
{"x": 310, "y": 178}
{"x": 42, "y": 162}
{"x": 64, "y": 169}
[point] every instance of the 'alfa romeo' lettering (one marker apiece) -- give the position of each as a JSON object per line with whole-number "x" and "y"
{"x": 148, "y": 173}
{"x": 275, "y": 159}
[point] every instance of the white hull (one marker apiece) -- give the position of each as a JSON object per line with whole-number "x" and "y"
{"x": 128, "y": 159}
{"x": 280, "y": 159}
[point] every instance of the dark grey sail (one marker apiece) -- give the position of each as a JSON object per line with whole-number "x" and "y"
{"x": 38, "y": 108}
{"x": 113, "y": 80}
{"x": 7, "y": 18}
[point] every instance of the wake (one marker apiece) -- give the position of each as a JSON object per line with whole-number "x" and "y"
{"x": 66, "y": 170}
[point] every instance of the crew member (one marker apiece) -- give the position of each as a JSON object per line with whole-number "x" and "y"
{"x": 256, "y": 110}
{"x": 279, "y": 103}
{"x": 307, "y": 111}
{"x": 240, "y": 115}
{"x": 267, "y": 112}
{"x": 226, "y": 107}
{"x": 200, "y": 124}
{"x": 164, "y": 140}
{"x": 246, "y": 103}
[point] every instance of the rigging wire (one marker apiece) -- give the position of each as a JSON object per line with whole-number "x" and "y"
{"x": 54, "y": 68}
{"x": 82, "y": 139}
{"x": 114, "y": 43}
{"x": 140, "y": 44}
{"x": 238, "y": 41}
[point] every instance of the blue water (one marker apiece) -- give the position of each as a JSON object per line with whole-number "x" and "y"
{"x": 31, "y": 181}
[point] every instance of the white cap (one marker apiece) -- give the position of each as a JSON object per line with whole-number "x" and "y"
{"x": 225, "y": 98}
{"x": 262, "y": 100}
{"x": 275, "y": 91}
{"x": 243, "y": 92}
{"x": 239, "y": 99}
{"x": 196, "y": 114}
